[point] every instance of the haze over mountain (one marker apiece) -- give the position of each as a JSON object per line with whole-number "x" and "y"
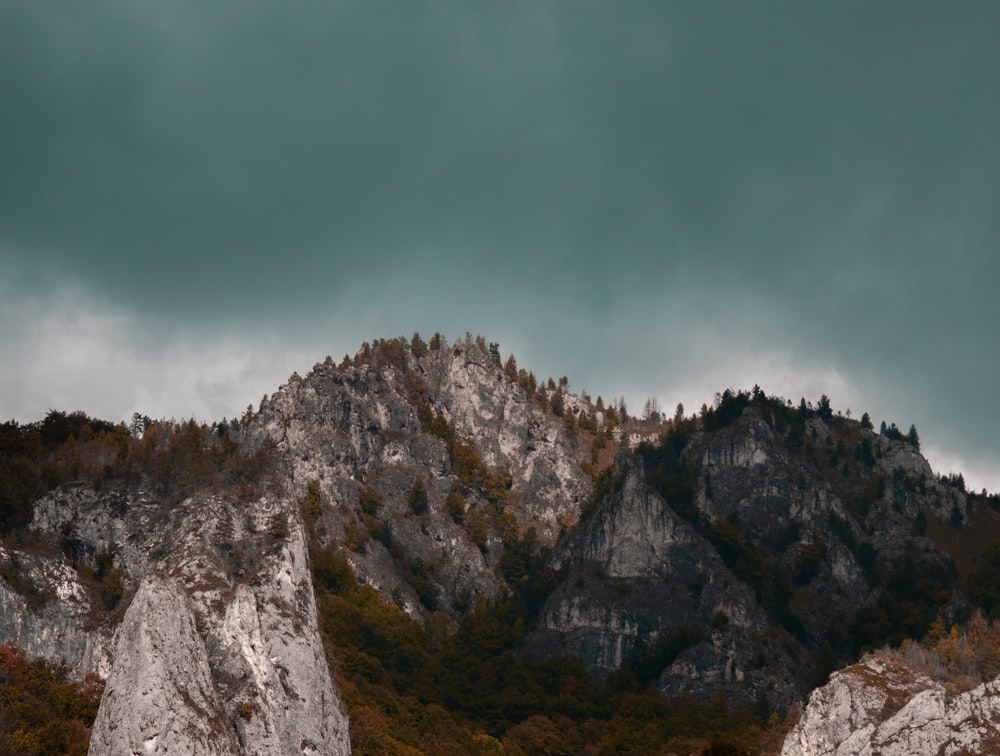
{"x": 657, "y": 200}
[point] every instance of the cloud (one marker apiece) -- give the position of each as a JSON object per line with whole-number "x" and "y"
{"x": 69, "y": 351}
{"x": 653, "y": 200}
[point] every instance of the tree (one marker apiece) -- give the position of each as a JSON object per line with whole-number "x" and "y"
{"x": 455, "y": 505}
{"x": 510, "y": 368}
{"x": 557, "y": 402}
{"x": 983, "y": 585}
{"x": 866, "y": 422}
{"x": 956, "y": 517}
{"x": 42, "y": 711}
{"x": 418, "y": 497}
{"x": 913, "y": 438}
{"x": 651, "y": 411}
{"x": 417, "y": 346}
{"x": 824, "y": 410}
{"x": 137, "y": 426}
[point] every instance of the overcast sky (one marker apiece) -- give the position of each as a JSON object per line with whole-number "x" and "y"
{"x": 655, "y": 199}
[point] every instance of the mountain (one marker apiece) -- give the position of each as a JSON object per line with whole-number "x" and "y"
{"x": 426, "y": 538}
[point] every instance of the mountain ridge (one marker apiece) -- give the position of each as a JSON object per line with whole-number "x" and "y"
{"x": 745, "y": 551}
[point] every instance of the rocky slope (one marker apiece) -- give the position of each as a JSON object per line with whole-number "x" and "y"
{"x": 199, "y": 609}
{"x": 736, "y": 556}
{"x": 453, "y": 420}
{"x": 643, "y": 585}
{"x": 218, "y": 650}
{"x": 882, "y": 706}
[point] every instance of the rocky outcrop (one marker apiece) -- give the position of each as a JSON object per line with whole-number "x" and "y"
{"x": 47, "y": 612}
{"x": 511, "y": 431}
{"x": 218, "y": 651}
{"x": 757, "y": 546}
{"x": 365, "y": 419}
{"x": 362, "y": 428}
{"x": 208, "y": 638}
{"x": 159, "y": 697}
{"x": 881, "y": 706}
{"x": 640, "y": 578}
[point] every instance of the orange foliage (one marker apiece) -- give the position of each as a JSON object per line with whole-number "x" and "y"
{"x": 41, "y": 712}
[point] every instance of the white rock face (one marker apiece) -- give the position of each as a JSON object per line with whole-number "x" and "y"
{"x": 364, "y": 427}
{"x": 644, "y": 539}
{"x": 219, "y": 650}
{"x": 59, "y": 629}
{"x": 159, "y": 697}
{"x": 881, "y": 707}
{"x": 489, "y": 408}
{"x": 249, "y": 674}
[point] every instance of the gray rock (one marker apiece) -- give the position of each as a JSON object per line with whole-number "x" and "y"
{"x": 881, "y": 706}
{"x": 159, "y": 697}
{"x": 219, "y": 650}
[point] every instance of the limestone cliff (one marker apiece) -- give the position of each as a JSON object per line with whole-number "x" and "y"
{"x": 362, "y": 431}
{"x": 197, "y": 604}
{"x": 882, "y": 706}
{"x": 640, "y": 577}
{"x": 218, "y": 651}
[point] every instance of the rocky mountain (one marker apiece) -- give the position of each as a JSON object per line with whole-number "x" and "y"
{"x": 744, "y": 552}
{"x": 751, "y": 552}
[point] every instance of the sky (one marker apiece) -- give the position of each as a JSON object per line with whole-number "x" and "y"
{"x": 655, "y": 199}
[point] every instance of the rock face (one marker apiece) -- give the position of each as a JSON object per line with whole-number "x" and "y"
{"x": 743, "y": 561}
{"x": 219, "y": 650}
{"x": 361, "y": 431}
{"x": 880, "y": 706}
{"x": 160, "y": 697}
{"x": 58, "y": 629}
{"x": 202, "y": 614}
{"x": 638, "y": 575}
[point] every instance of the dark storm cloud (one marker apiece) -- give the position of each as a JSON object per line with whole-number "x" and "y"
{"x": 642, "y": 196}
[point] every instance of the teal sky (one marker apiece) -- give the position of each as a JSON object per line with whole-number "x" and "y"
{"x": 655, "y": 199}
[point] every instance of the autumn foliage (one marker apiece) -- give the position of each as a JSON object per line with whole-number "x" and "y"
{"x": 40, "y": 711}
{"x": 175, "y": 458}
{"x": 411, "y": 689}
